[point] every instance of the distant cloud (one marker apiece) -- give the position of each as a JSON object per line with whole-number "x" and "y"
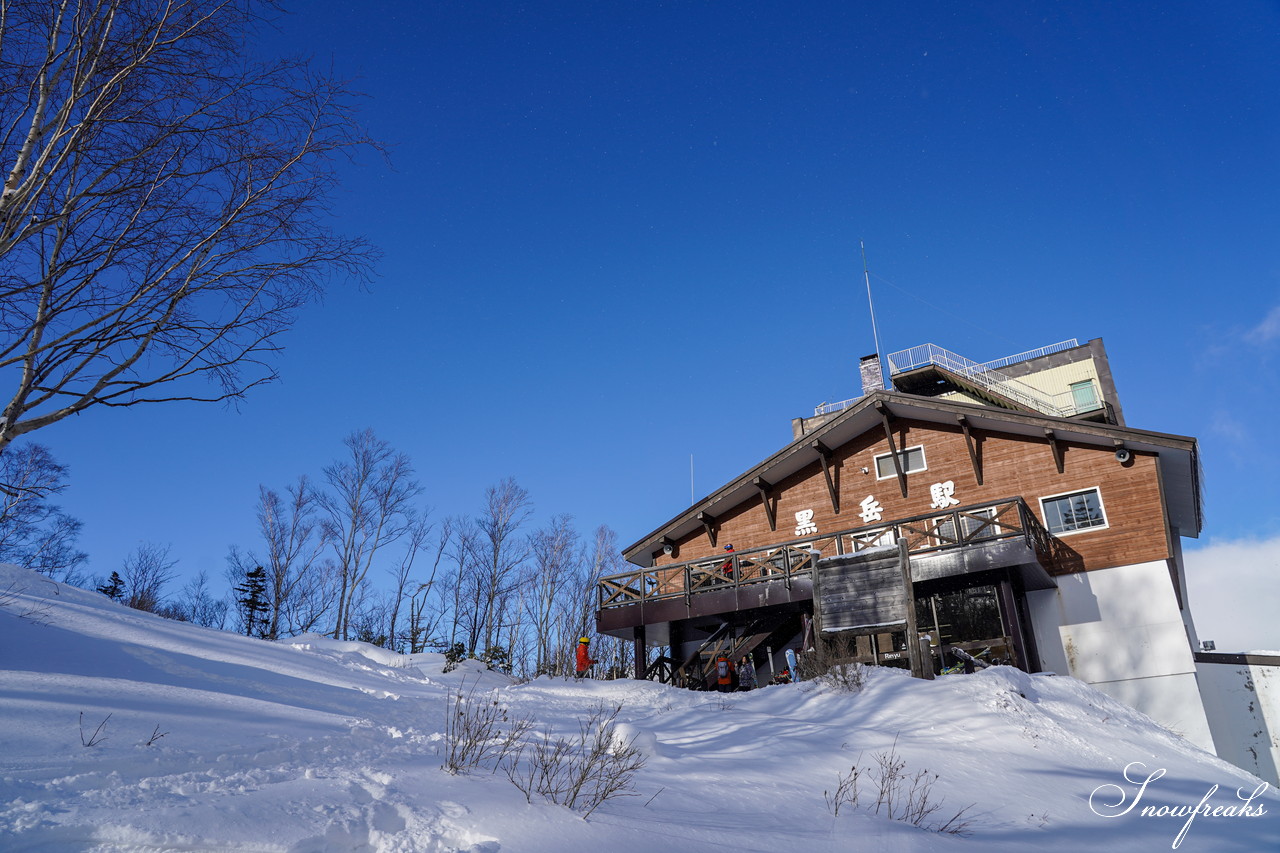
{"x": 1227, "y": 426}
{"x": 1233, "y": 589}
{"x": 1233, "y": 440}
{"x": 1266, "y": 331}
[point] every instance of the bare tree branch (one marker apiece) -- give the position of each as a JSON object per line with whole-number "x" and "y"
{"x": 146, "y": 572}
{"x": 500, "y": 553}
{"x": 35, "y": 533}
{"x": 163, "y": 214}
{"x": 368, "y": 508}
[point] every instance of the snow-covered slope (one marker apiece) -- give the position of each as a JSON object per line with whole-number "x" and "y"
{"x": 312, "y": 746}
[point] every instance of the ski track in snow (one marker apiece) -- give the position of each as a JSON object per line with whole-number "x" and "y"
{"x": 314, "y": 746}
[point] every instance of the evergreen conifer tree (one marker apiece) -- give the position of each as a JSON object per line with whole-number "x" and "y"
{"x": 252, "y": 601}
{"x": 113, "y": 588}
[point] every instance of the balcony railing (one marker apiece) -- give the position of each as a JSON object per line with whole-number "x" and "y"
{"x": 1009, "y": 518}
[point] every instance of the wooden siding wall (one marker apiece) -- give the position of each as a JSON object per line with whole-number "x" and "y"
{"x": 1012, "y": 466}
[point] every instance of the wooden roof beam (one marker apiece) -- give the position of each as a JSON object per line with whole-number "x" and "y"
{"x": 765, "y": 488}
{"x": 973, "y": 447}
{"x": 885, "y": 417}
{"x": 826, "y": 455}
{"x": 710, "y": 524}
{"x": 1052, "y": 438}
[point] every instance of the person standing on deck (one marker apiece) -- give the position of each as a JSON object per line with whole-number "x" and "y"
{"x": 727, "y": 568}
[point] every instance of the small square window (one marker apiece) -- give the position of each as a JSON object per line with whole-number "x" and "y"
{"x": 1074, "y": 512}
{"x": 971, "y": 522}
{"x": 1084, "y": 396}
{"x": 911, "y": 458}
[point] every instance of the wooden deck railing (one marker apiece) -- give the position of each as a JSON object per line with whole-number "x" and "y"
{"x": 988, "y": 522}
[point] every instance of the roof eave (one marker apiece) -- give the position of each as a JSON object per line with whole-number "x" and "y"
{"x": 1179, "y": 456}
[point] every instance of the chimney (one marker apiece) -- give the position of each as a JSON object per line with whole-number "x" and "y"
{"x": 869, "y": 368}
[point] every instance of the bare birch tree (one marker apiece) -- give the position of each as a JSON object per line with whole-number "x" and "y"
{"x": 293, "y": 540}
{"x": 35, "y": 533}
{"x": 602, "y": 558}
{"x": 163, "y": 214}
{"x": 419, "y": 532}
{"x": 427, "y": 604}
{"x": 146, "y": 571}
{"x": 460, "y": 587}
{"x": 197, "y": 604}
{"x": 368, "y": 507}
{"x": 501, "y": 551}
{"x": 312, "y": 599}
{"x": 554, "y": 572}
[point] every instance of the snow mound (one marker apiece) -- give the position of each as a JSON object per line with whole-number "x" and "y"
{"x": 127, "y": 732}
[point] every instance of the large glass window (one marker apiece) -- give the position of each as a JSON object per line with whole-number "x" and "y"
{"x": 912, "y": 459}
{"x": 1075, "y": 511}
{"x": 965, "y": 616}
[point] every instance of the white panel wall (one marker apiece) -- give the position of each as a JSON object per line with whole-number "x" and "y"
{"x": 1121, "y": 631}
{"x": 1243, "y": 704}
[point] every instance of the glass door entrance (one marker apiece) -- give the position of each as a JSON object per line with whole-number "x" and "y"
{"x": 970, "y": 619}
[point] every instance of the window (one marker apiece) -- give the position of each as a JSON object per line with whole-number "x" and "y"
{"x": 1084, "y": 396}
{"x": 911, "y": 458}
{"x": 1074, "y": 512}
{"x": 971, "y": 522}
{"x": 875, "y": 538}
{"x": 978, "y": 523}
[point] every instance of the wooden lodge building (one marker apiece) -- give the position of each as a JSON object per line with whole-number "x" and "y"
{"x": 1039, "y": 530}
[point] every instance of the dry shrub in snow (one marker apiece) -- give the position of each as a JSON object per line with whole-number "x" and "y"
{"x": 479, "y": 730}
{"x": 831, "y": 663}
{"x": 899, "y": 794}
{"x": 99, "y": 734}
{"x": 11, "y": 600}
{"x": 845, "y": 677}
{"x": 581, "y": 772}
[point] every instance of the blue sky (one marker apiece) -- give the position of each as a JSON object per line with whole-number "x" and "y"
{"x": 615, "y": 236}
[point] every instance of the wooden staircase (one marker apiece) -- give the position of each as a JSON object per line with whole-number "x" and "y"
{"x": 695, "y": 670}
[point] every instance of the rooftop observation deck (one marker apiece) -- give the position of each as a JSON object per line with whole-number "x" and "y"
{"x": 918, "y": 369}
{"x": 943, "y": 544}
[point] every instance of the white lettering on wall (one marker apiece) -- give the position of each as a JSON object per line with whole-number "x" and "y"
{"x": 805, "y": 525}
{"x": 943, "y": 495}
{"x": 871, "y": 509}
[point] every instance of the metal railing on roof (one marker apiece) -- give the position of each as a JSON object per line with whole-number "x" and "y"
{"x": 985, "y": 375}
{"x": 979, "y": 374}
{"x": 828, "y": 408}
{"x": 998, "y": 363}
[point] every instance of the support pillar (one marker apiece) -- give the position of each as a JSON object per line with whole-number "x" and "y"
{"x": 909, "y": 594}
{"x": 675, "y": 651}
{"x": 642, "y": 653}
{"x": 1013, "y": 625}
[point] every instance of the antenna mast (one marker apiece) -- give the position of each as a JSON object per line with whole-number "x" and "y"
{"x": 866, "y": 274}
{"x": 692, "y": 499}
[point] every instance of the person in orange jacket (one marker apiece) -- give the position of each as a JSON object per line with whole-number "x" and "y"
{"x": 726, "y": 676}
{"x": 585, "y": 661}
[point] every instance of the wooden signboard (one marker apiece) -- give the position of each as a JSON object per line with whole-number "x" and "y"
{"x": 871, "y": 589}
{"x": 863, "y": 590}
